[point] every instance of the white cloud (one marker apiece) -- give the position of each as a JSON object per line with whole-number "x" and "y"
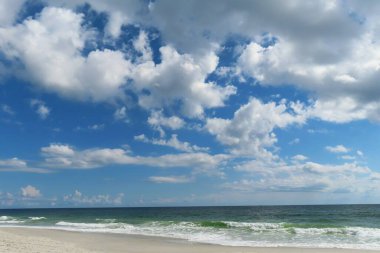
{"x": 172, "y": 142}
{"x": 170, "y": 179}
{"x": 337, "y": 149}
{"x": 350, "y": 93}
{"x": 299, "y": 158}
{"x": 342, "y": 109}
{"x": 250, "y": 131}
{"x": 348, "y": 157}
{"x": 55, "y": 63}
{"x": 317, "y": 46}
{"x": 303, "y": 177}
{"x": 17, "y": 165}
{"x": 141, "y": 44}
{"x": 58, "y": 150}
{"x": 196, "y": 25}
{"x": 120, "y": 113}
{"x": 344, "y": 78}
{"x": 9, "y": 10}
{"x": 50, "y": 49}
{"x": 120, "y": 12}
{"x": 158, "y": 121}
{"x": 101, "y": 199}
{"x": 41, "y": 109}
{"x": 60, "y": 156}
{"x": 116, "y": 20}
{"x": 309, "y": 55}
{"x": 180, "y": 78}
{"x": 30, "y": 192}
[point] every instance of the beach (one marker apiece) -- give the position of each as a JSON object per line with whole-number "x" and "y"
{"x": 31, "y": 240}
{"x": 208, "y": 229}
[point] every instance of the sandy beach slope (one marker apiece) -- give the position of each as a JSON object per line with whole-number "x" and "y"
{"x": 17, "y": 240}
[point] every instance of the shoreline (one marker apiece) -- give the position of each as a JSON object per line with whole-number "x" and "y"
{"x": 26, "y": 239}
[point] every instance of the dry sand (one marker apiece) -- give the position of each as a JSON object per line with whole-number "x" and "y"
{"x": 28, "y": 240}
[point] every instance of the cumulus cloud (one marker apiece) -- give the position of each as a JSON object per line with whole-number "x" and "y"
{"x": 350, "y": 93}
{"x": 324, "y": 45}
{"x": 56, "y": 149}
{"x": 9, "y": 10}
{"x": 172, "y": 142}
{"x": 120, "y": 12}
{"x": 299, "y": 158}
{"x": 30, "y": 192}
{"x": 250, "y": 131}
{"x": 337, "y": 149}
{"x": 180, "y": 77}
{"x": 158, "y": 121}
{"x": 320, "y": 47}
{"x": 50, "y": 49}
{"x": 309, "y": 55}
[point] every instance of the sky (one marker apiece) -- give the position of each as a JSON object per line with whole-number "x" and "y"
{"x": 189, "y": 102}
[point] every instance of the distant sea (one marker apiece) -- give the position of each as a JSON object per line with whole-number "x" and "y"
{"x": 332, "y": 226}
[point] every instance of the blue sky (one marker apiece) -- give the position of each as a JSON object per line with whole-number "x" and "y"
{"x": 167, "y": 103}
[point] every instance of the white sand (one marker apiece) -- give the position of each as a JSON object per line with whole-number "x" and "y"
{"x": 13, "y": 243}
{"x": 28, "y": 240}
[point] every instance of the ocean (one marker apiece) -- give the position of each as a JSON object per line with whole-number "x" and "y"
{"x": 324, "y": 226}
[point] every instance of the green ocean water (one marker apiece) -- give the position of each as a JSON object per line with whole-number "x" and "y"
{"x": 330, "y": 226}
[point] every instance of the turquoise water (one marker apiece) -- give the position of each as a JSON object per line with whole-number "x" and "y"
{"x": 340, "y": 226}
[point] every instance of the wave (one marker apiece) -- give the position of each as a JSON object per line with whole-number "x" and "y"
{"x": 244, "y": 233}
{"x": 229, "y": 225}
{"x": 103, "y": 227}
{"x": 37, "y": 218}
{"x": 233, "y": 233}
{"x": 214, "y": 224}
{"x": 9, "y": 220}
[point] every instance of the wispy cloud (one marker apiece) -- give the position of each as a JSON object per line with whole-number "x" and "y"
{"x": 170, "y": 179}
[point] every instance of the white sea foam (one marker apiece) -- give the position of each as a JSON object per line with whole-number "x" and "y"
{"x": 255, "y": 226}
{"x": 107, "y": 220}
{"x": 260, "y": 235}
{"x": 9, "y": 220}
{"x": 238, "y": 233}
{"x": 37, "y": 218}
